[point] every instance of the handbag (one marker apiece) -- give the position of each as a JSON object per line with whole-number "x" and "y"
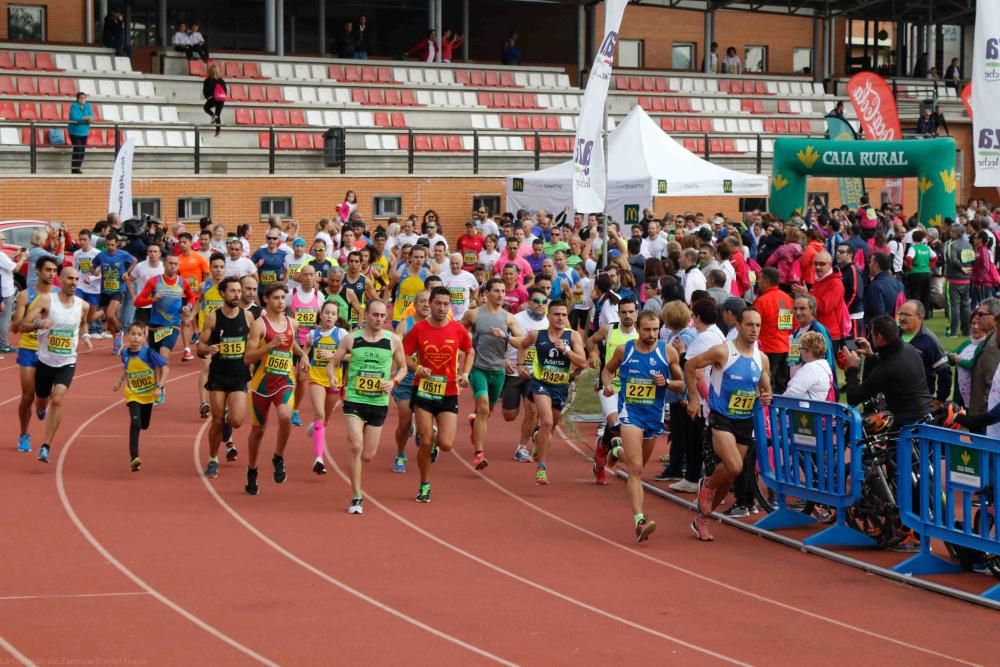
{"x": 219, "y": 94}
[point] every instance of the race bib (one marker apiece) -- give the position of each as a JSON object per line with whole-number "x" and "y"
{"x": 794, "y": 352}
{"x": 968, "y": 255}
{"x": 161, "y": 333}
{"x": 306, "y": 317}
{"x": 457, "y": 295}
{"x": 529, "y": 356}
{"x": 470, "y": 258}
{"x": 322, "y": 363}
{"x": 279, "y": 362}
{"x": 616, "y": 379}
{"x": 369, "y": 384}
{"x": 785, "y": 319}
{"x": 431, "y": 388}
{"x": 640, "y": 391}
{"x": 193, "y": 283}
{"x": 555, "y": 375}
{"x": 86, "y": 265}
{"x": 212, "y": 306}
{"x": 111, "y": 282}
{"x": 232, "y": 348}
{"x": 142, "y": 382}
{"x": 268, "y": 276}
{"x": 753, "y": 277}
{"x": 61, "y": 341}
{"x": 741, "y": 402}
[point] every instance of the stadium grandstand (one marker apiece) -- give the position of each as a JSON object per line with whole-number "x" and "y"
{"x": 302, "y": 124}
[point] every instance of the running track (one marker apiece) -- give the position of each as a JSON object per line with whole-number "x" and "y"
{"x": 165, "y": 567}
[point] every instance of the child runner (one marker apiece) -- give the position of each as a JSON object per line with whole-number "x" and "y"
{"x": 318, "y": 348}
{"x": 144, "y": 375}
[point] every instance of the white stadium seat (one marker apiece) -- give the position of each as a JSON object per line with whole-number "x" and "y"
{"x": 155, "y": 138}
{"x": 268, "y": 70}
{"x": 342, "y": 95}
{"x": 150, "y": 113}
{"x": 123, "y": 64}
{"x": 478, "y": 122}
{"x": 104, "y": 64}
{"x": 302, "y": 72}
{"x": 521, "y": 79}
{"x": 447, "y": 77}
{"x": 389, "y": 142}
{"x": 291, "y": 93}
{"x": 84, "y": 63}
{"x": 131, "y": 114}
{"x": 308, "y": 94}
{"x": 331, "y": 118}
{"x": 127, "y": 89}
{"x": 373, "y": 142}
{"x": 111, "y": 113}
{"x": 324, "y": 95}
{"x": 9, "y": 136}
{"x": 365, "y": 119}
{"x": 88, "y": 86}
{"x": 516, "y": 143}
{"x": 492, "y": 122}
{"x": 416, "y": 75}
{"x": 348, "y": 118}
{"x": 500, "y": 143}
{"x": 454, "y": 98}
{"x": 317, "y": 72}
{"x": 424, "y": 98}
{"x": 106, "y": 88}
{"x": 64, "y": 61}
{"x": 469, "y": 100}
{"x": 314, "y": 117}
{"x": 175, "y": 139}
{"x": 146, "y": 89}
{"x": 430, "y": 75}
{"x": 286, "y": 71}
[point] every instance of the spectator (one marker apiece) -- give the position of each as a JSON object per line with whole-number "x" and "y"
{"x": 813, "y": 379}
{"x": 777, "y": 319}
{"x": 985, "y": 277}
{"x": 426, "y": 50}
{"x": 118, "y": 34}
{"x": 511, "y": 54}
{"x": 36, "y": 251}
{"x": 953, "y": 75}
{"x": 449, "y": 42}
{"x": 197, "y": 42}
{"x": 362, "y": 39}
{"x": 963, "y": 357}
{"x": 925, "y": 124}
{"x": 958, "y": 258}
{"x": 694, "y": 279}
{"x": 884, "y": 292}
{"x": 181, "y": 41}
{"x": 939, "y": 121}
{"x": 80, "y": 115}
{"x": 936, "y": 369}
{"x": 932, "y": 73}
{"x": 787, "y": 258}
{"x": 920, "y": 67}
{"x": 731, "y": 64}
{"x": 345, "y": 41}
{"x": 8, "y": 267}
{"x": 987, "y": 358}
{"x": 348, "y": 206}
{"x": 713, "y": 59}
{"x": 214, "y": 90}
{"x": 920, "y": 259}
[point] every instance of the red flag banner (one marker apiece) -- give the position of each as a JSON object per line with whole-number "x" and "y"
{"x": 875, "y": 106}
{"x": 967, "y": 98}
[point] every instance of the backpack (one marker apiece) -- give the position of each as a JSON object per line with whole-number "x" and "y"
{"x": 56, "y": 138}
{"x": 219, "y": 94}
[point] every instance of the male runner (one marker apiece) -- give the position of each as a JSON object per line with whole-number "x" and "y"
{"x": 271, "y": 346}
{"x": 357, "y": 289}
{"x": 27, "y": 352}
{"x": 740, "y": 374}
{"x": 224, "y": 334}
{"x": 237, "y": 265}
{"x": 641, "y": 367}
{"x": 114, "y": 266}
{"x": 491, "y": 327}
{"x": 433, "y": 347}
{"x": 142, "y": 273}
{"x": 369, "y": 380}
{"x": 520, "y": 365}
{"x": 90, "y": 286}
{"x": 211, "y": 300}
{"x": 403, "y": 393}
{"x": 558, "y": 349}
{"x": 248, "y": 300}
{"x": 59, "y": 320}
{"x": 193, "y": 268}
{"x": 613, "y": 335}
{"x": 462, "y": 285}
{"x": 406, "y": 282}
{"x": 304, "y": 301}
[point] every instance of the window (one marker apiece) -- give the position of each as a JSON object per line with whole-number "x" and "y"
{"x": 683, "y": 55}
{"x": 386, "y": 205}
{"x": 194, "y": 208}
{"x": 802, "y": 61}
{"x": 148, "y": 206}
{"x": 755, "y": 59}
{"x": 26, "y": 22}
{"x": 748, "y": 204}
{"x": 630, "y": 53}
{"x": 275, "y": 206}
{"x": 490, "y": 202}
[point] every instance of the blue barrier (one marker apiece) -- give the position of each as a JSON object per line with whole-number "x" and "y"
{"x": 811, "y": 455}
{"x": 954, "y": 469}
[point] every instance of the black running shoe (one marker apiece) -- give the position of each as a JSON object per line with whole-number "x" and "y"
{"x": 424, "y": 493}
{"x": 319, "y": 468}
{"x": 280, "y": 475}
{"x": 251, "y": 486}
{"x": 231, "y": 452}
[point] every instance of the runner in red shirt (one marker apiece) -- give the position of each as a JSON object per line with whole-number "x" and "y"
{"x": 469, "y": 244}
{"x": 433, "y": 347}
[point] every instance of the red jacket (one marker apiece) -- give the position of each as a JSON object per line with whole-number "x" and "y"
{"x": 742, "y": 282}
{"x": 829, "y": 295}
{"x": 773, "y": 304}
{"x": 813, "y": 248}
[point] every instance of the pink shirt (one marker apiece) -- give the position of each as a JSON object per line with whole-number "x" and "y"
{"x": 519, "y": 262}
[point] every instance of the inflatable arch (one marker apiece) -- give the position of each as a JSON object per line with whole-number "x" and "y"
{"x": 931, "y": 161}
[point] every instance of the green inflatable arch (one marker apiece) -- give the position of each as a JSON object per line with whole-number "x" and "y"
{"x": 931, "y": 161}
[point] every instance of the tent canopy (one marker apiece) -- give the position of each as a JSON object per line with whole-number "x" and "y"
{"x": 643, "y": 162}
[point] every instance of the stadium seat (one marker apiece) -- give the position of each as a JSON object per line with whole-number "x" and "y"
{"x": 769, "y": 126}
{"x": 243, "y": 116}
{"x": 784, "y": 107}
{"x": 484, "y": 99}
{"x": 50, "y": 111}
{"x": 715, "y": 147}
{"x": 648, "y": 84}
{"x": 724, "y": 86}
{"x": 492, "y": 79}
{"x": 261, "y": 117}
{"x": 392, "y": 98}
{"x": 408, "y": 99}
{"x": 303, "y": 141}
{"x": 681, "y": 124}
{"x": 476, "y": 78}
{"x": 537, "y": 122}
{"x": 285, "y": 141}
{"x": 645, "y": 103}
{"x": 403, "y": 142}
{"x": 746, "y": 106}
{"x": 508, "y": 122}
{"x": 667, "y": 124}
{"x": 781, "y": 126}
{"x": 670, "y": 105}
{"x": 806, "y": 127}
{"x": 352, "y": 74}
{"x": 793, "y": 127}
{"x": 27, "y": 111}
{"x": 551, "y": 123}
{"x": 233, "y": 70}
{"x": 274, "y": 94}
{"x": 264, "y": 139}
{"x": 507, "y": 80}
{"x": 279, "y": 117}
{"x": 523, "y": 122}
{"x": 515, "y": 100}
{"x": 455, "y": 143}
{"x": 736, "y": 87}
{"x": 8, "y": 111}
{"x": 381, "y": 119}
{"x": 64, "y": 61}
{"x": 760, "y": 88}
{"x": 23, "y": 60}
{"x": 237, "y": 92}
{"x": 621, "y": 82}
{"x": 684, "y": 105}
{"x": 500, "y": 101}
{"x": 43, "y": 63}
{"x": 197, "y": 68}
{"x": 547, "y": 144}
{"x": 658, "y": 104}
{"x": 531, "y": 101}
{"x": 255, "y": 93}
{"x": 462, "y": 77}
{"x": 252, "y": 71}
{"x": 438, "y": 143}
{"x": 662, "y": 85}
{"x": 421, "y": 142}
{"x": 385, "y": 75}
{"x": 335, "y": 72}
{"x": 635, "y": 83}
{"x": 296, "y": 118}
{"x": 25, "y": 85}
{"x": 758, "y": 107}
{"x": 47, "y": 86}
{"x": 67, "y": 88}
{"x": 6, "y": 61}
{"x": 562, "y": 144}
{"x": 95, "y": 139}
{"x": 376, "y": 97}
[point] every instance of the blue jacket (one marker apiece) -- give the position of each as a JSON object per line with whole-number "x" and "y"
{"x": 881, "y": 296}
{"x": 77, "y": 126}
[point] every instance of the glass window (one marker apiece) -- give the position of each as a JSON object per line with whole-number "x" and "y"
{"x": 146, "y": 206}
{"x": 755, "y": 59}
{"x": 194, "y": 208}
{"x": 490, "y": 202}
{"x": 20, "y": 236}
{"x": 630, "y": 53}
{"x": 683, "y": 55}
{"x": 386, "y": 205}
{"x": 802, "y": 61}
{"x": 26, "y": 22}
{"x": 281, "y": 206}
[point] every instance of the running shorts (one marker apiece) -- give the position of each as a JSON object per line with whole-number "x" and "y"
{"x": 515, "y": 389}
{"x": 47, "y": 377}
{"x": 487, "y": 382}
{"x": 446, "y": 404}
{"x": 557, "y": 393}
{"x": 742, "y": 429}
{"x": 27, "y": 358}
{"x": 370, "y": 415}
{"x": 261, "y": 405}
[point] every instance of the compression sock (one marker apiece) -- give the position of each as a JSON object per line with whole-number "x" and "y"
{"x": 639, "y": 517}
{"x": 133, "y": 441}
{"x": 319, "y": 437}
{"x": 227, "y": 432}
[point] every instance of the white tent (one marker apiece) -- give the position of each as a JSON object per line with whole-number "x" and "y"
{"x": 643, "y": 162}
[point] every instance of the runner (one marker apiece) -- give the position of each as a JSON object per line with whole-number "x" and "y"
{"x": 303, "y": 306}
{"x": 462, "y": 285}
{"x": 270, "y": 261}
{"x": 141, "y": 274}
{"x": 114, "y": 266}
{"x": 144, "y": 375}
{"x": 641, "y": 367}
{"x": 237, "y": 265}
{"x": 248, "y": 298}
{"x": 357, "y": 289}
{"x": 406, "y": 282}
{"x": 614, "y": 335}
{"x": 27, "y": 347}
{"x": 59, "y": 320}
{"x": 740, "y": 374}
{"x": 558, "y": 349}
{"x": 403, "y": 392}
{"x": 435, "y": 346}
{"x": 317, "y": 350}
{"x": 373, "y": 353}
{"x": 270, "y": 346}
{"x": 520, "y": 365}
{"x": 491, "y": 327}
{"x": 211, "y": 300}
{"x": 193, "y": 269}
{"x": 224, "y": 334}
{"x": 90, "y": 286}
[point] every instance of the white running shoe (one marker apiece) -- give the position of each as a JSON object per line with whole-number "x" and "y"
{"x": 356, "y": 507}
{"x": 684, "y": 486}
{"x": 522, "y": 454}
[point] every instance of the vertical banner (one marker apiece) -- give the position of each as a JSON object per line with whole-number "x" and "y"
{"x": 589, "y": 183}
{"x": 875, "y": 106}
{"x": 851, "y": 189}
{"x": 120, "y": 196}
{"x": 985, "y": 88}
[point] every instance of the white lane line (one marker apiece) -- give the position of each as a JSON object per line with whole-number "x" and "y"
{"x": 71, "y": 596}
{"x": 330, "y": 579}
{"x": 533, "y": 584}
{"x": 20, "y": 657}
{"x": 60, "y": 486}
{"x": 75, "y": 377}
{"x": 715, "y": 582}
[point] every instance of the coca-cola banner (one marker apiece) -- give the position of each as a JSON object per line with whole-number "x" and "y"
{"x": 875, "y": 106}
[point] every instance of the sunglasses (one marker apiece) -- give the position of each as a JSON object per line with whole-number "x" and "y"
{"x": 980, "y": 313}
{"x": 541, "y": 302}
{"x": 273, "y": 238}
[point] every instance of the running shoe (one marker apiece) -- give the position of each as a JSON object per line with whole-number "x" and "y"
{"x": 318, "y": 467}
{"x": 116, "y": 348}
{"x": 296, "y": 419}
{"x": 280, "y": 475}
{"x": 399, "y": 465}
{"x": 24, "y": 443}
{"x": 43, "y": 454}
{"x": 600, "y": 454}
{"x": 737, "y": 511}
{"x": 434, "y": 453}
{"x": 522, "y": 454}
{"x": 479, "y": 460}
{"x": 706, "y": 496}
{"x": 6, "y": 349}
{"x": 162, "y": 398}
{"x": 195, "y": 337}
{"x": 356, "y": 507}
{"x": 212, "y": 469}
{"x": 107, "y": 334}
{"x": 541, "y": 476}
{"x": 644, "y": 529}
{"x": 231, "y": 452}
{"x": 187, "y": 354}
{"x": 669, "y": 475}
{"x": 251, "y": 486}
{"x": 600, "y": 475}
{"x": 136, "y": 464}
{"x": 204, "y": 409}
{"x": 41, "y": 414}
{"x": 700, "y": 529}
{"x": 684, "y": 486}
{"x": 424, "y": 493}
{"x": 615, "y": 452}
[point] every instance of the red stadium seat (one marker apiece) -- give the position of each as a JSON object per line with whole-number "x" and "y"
{"x": 403, "y": 142}
{"x": 462, "y": 77}
{"x": 658, "y": 105}
{"x": 369, "y": 74}
{"x": 376, "y": 97}
{"x": 484, "y": 99}
{"x": 398, "y": 120}
{"x": 562, "y": 144}
{"x": 728, "y": 146}
{"x": 50, "y": 111}
{"x": 670, "y": 105}
{"x": 27, "y": 111}
{"x": 781, "y": 126}
{"x": 531, "y": 101}
{"x": 507, "y": 122}
{"x": 793, "y": 127}
{"x": 385, "y": 75}
{"x": 537, "y": 122}
{"x": 409, "y": 99}
{"x": 256, "y": 93}
{"x": 67, "y": 88}
{"x": 648, "y": 84}
{"x": 297, "y": 118}
{"x": 662, "y": 85}
{"x": 700, "y": 143}
{"x": 500, "y": 101}
{"x": 421, "y": 142}
{"x": 769, "y": 126}
{"x": 43, "y": 63}
{"x": 7, "y": 85}
{"x": 392, "y": 98}
{"x": 667, "y": 124}
{"x": 237, "y": 92}
{"x": 381, "y": 119}
{"x": 681, "y": 124}
{"x": 806, "y": 126}
{"x": 261, "y": 117}
{"x": 715, "y": 147}
{"x": 197, "y": 68}
{"x": 455, "y": 143}
{"x": 690, "y": 145}
{"x": 551, "y": 123}
{"x": 96, "y": 138}
{"x": 547, "y": 144}
{"x": 335, "y": 72}
{"x": 252, "y": 71}
{"x": 645, "y": 103}
{"x": 529, "y": 144}
{"x": 523, "y": 122}
{"x": 760, "y": 88}
{"x": 264, "y": 139}
{"x": 492, "y": 79}
{"x": 352, "y": 74}
{"x": 758, "y": 107}
{"x": 279, "y": 117}
{"x": 359, "y": 96}
{"x": 303, "y": 141}
{"x": 736, "y": 87}
{"x": 621, "y": 82}
{"x": 746, "y": 106}
{"x": 706, "y": 125}
{"x": 515, "y": 100}
{"x": 22, "y": 60}
{"x": 6, "y": 62}
{"x": 47, "y": 86}
{"x": 286, "y": 141}
{"x": 8, "y": 111}
{"x": 243, "y": 116}
{"x": 274, "y": 94}
{"x": 476, "y": 78}
{"x": 507, "y": 80}
{"x": 724, "y": 85}
{"x": 784, "y": 106}
{"x": 26, "y": 85}
{"x": 234, "y": 70}
{"x": 684, "y": 105}
{"x": 635, "y": 83}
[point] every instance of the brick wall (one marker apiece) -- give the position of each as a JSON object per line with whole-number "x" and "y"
{"x": 64, "y": 18}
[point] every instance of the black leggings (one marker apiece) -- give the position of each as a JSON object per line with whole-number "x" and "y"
{"x": 213, "y": 107}
{"x": 918, "y": 286}
{"x": 139, "y": 416}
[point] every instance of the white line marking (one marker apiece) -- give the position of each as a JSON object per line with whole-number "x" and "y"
{"x": 75, "y": 377}
{"x": 118, "y": 564}
{"x": 706, "y": 579}
{"x": 528, "y": 582}
{"x": 328, "y": 578}
{"x": 20, "y": 657}
{"x": 72, "y": 596}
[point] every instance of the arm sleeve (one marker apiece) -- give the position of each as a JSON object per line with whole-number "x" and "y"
{"x": 145, "y": 297}
{"x": 859, "y": 391}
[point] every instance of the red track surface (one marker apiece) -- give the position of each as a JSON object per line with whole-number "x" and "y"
{"x": 165, "y": 567}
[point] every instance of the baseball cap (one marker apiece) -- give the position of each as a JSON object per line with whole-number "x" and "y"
{"x": 299, "y": 242}
{"x": 614, "y": 253}
{"x": 735, "y": 305}
{"x": 470, "y": 223}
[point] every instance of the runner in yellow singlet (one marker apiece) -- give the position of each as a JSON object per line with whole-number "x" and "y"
{"x": 209, "y": 302}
